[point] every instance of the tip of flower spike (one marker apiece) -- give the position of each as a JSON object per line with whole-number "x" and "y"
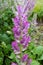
{"x": 29, "y": 6}
{"x": 20, "y": 9}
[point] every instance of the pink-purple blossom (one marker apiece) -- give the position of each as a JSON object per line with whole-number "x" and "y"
{"x": 29, "y": 61}
{"x": 25, "y": 40}
{"x": 24, "y": 58}
{"x": 13, "y": 63}
{"x": 15, "y": 46}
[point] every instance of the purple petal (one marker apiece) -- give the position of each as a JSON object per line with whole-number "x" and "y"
{"x": 24, "y": 58}
{"x": 19, "y": 10}
{"x": 15, "y": 46}
{"x": 16, "y": 21}
{"x": 24, "y": 17}
{"x": 13, "y": 63}
{"x": 26, "y": 26}
{"x": 25, "y": 40}
{"x": 16, "y": 30}
{"x": 29, "y": 61}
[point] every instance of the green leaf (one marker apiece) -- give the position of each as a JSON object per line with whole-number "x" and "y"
{"x": 38, "y": 50}
{"x": 7, "y": 61}
{"x": 41, "y": 57}
{"x": 35, "y": 62}
{"x": 3, "y": 45}
{"x": 5, "y": 38}
{"x": 1, "y": 54}
{"x": 1, "y": 61}
{"x": 39, "y": 8}
{"x": 12, "y": 56}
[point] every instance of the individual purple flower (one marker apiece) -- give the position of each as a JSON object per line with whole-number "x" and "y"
{"x": 16, "y": 30}
{"x": 24, "y": 17}
{"x": 25, "y": 27}
{"x": 13, "y": 63}
{"x": 24, "y": 58}
{"x": 16, "y": 21}
{"x": 25, "y": 40}
{"x": 29, "y": 61}
{"x": 15, "y": 46}
{"x": 26, "y": 24}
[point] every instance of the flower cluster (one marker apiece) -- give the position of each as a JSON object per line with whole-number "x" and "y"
{"x": 20, "y": 30}
{"x": 21, "y": 36}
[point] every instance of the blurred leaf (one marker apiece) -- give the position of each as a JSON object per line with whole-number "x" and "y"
{"x": 1, "y": 57}
{"x": 35, "y": 63}
{"x": 7, "y": 61}
{"x": 41, "y": 57}
{"x": 1, "y": 54}
{"x": 12, "y": 56}
{"x": 38, "y": 50}
{"x": 5, "y": 38}
{"x": 39, "y": 8}
{"x": 1, "y": 61}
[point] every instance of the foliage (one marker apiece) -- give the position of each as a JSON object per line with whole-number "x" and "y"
{"x": 39, "y": 8}
{"x": 6, "y": 36}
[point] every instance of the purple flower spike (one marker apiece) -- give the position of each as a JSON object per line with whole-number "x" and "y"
{"x": 13, "y": 63}
{"x": 15, "y": 46}
{"x": 20, "y": 30}
{"x": 24, "y": 58}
